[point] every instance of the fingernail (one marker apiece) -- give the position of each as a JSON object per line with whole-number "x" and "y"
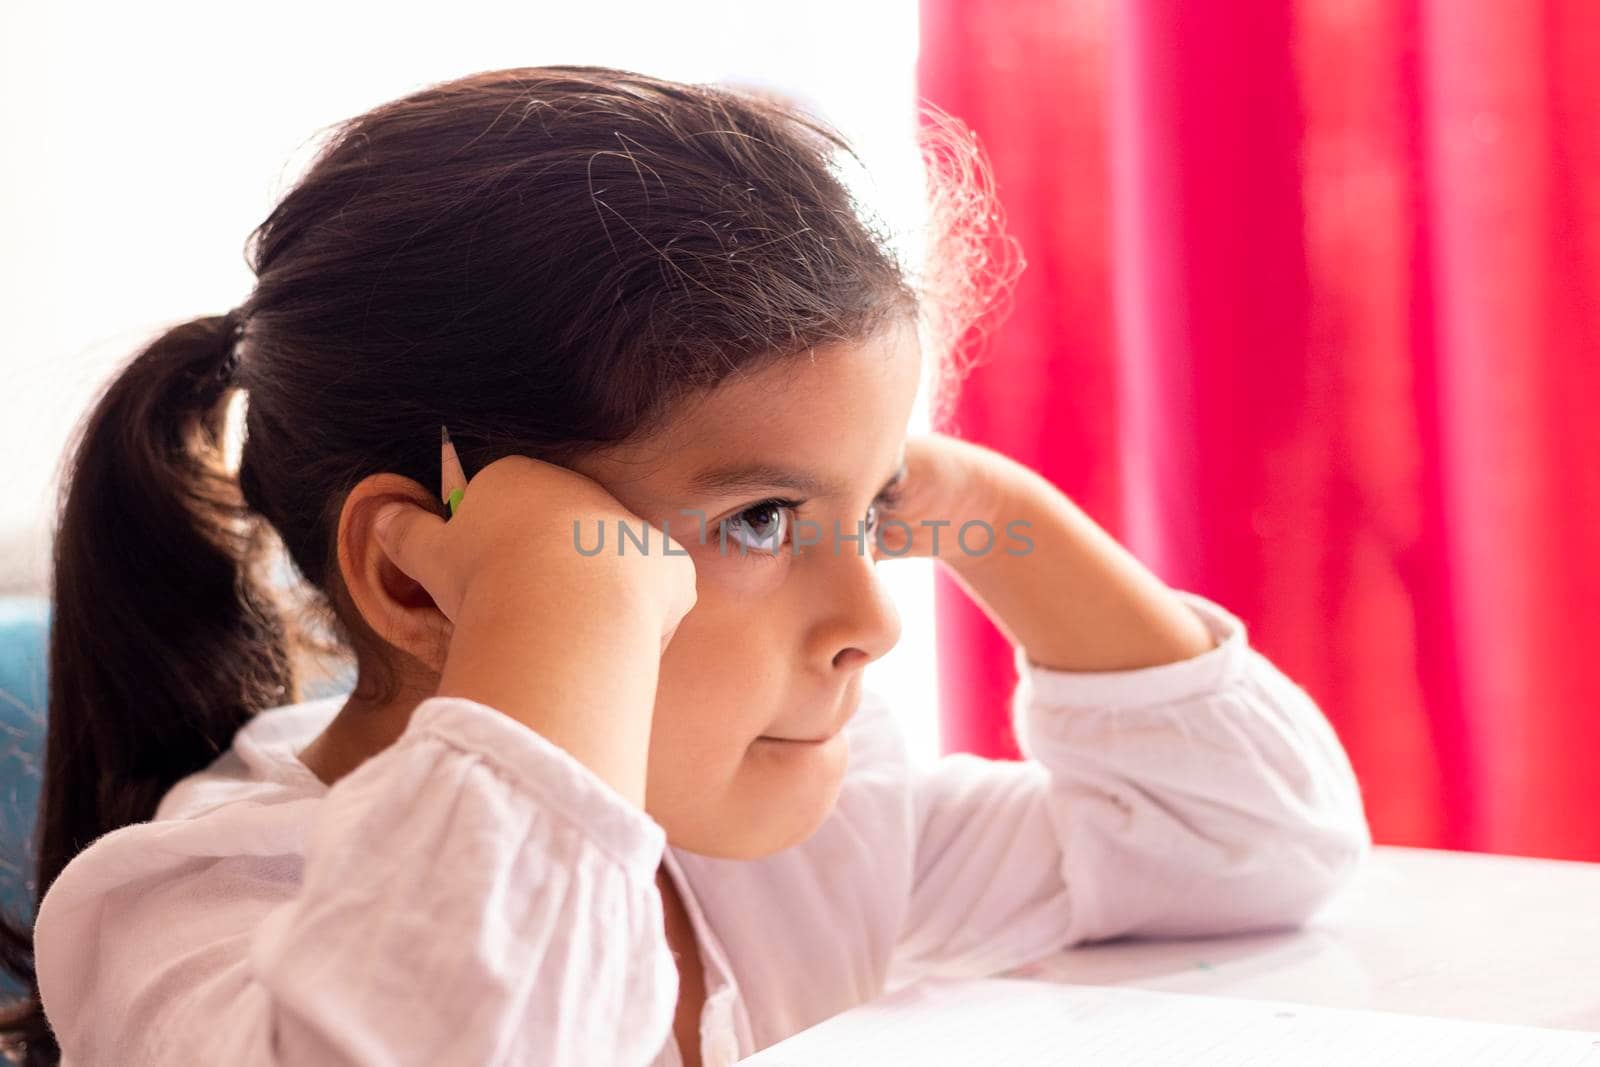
{"x": 385, "y": 519}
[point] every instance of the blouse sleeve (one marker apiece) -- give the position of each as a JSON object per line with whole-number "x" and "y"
{"x": 472, "y": 894}
{"x": 1205, "y": 796}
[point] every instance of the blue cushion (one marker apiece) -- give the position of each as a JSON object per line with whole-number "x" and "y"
{"x": 24, "y": 627}
{"x": 24, "y": 636}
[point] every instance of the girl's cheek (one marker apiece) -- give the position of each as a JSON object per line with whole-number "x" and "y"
{"x": 737, "y": 570}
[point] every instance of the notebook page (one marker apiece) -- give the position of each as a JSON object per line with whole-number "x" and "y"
{"x": 1023, "y": 1023}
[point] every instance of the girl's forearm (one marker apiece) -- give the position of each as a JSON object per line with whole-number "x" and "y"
{"x": 580, "y": 671}
{"x": 1076, "y": 600}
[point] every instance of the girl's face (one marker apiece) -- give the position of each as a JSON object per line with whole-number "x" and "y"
{"x": 776, "y": 642}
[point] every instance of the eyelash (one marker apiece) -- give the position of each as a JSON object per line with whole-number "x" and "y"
{"x": 886, "y": 501}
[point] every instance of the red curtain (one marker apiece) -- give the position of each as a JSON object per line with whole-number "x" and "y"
{"x": 1309, "y": 322}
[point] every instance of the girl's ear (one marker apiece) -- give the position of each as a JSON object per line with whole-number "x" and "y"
{"x": 394, "y": 606}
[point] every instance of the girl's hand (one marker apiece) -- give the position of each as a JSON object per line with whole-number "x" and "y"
{"x": 1052, "y": 580}
{"x": 541, "y": 632}
{"x": 513, "y": 538}
{"x": 948, "y": 482}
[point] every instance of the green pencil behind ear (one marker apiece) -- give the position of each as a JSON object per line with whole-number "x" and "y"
{"x": 452, "y": 479}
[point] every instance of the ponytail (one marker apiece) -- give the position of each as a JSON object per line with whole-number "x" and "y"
{"x": 162, "y": 642}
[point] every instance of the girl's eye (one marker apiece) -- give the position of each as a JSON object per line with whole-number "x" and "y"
{"x": 887, "y": 500}
{"x": 762, "y": 527}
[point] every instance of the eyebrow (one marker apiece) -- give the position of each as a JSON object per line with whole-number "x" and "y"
{"x": 749, "y": 477}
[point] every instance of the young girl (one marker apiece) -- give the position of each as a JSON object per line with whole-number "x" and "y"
{"x": 614, "y": 807}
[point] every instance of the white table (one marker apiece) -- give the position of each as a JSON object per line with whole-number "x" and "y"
{"x": 1422, "y": 931}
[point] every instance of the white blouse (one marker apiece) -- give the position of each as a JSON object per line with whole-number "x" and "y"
{"x": 475, "y": 895}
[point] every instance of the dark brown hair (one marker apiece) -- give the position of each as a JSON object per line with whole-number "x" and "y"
{"x": 542, "y": 259}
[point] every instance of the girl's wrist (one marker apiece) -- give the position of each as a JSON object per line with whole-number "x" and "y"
{"x": 578, "y": 667}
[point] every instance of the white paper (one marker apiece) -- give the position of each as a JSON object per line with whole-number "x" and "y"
{"x": 1022, "y": 1023}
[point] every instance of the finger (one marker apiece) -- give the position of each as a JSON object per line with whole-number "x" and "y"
{"x": 408, "y": 533}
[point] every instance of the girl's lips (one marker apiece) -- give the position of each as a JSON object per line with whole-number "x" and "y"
{"x": 829, "y": 736}
{"x": 795, "y": 740}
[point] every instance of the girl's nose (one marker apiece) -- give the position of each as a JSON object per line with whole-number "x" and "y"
{"x": 860, "y": 622}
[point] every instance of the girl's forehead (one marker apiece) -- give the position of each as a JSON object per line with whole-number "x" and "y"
{"x": 810, "y": 427}
{"x": 824, "y": 387}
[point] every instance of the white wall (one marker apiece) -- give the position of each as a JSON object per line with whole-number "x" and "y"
{"x": 143, "y": 142}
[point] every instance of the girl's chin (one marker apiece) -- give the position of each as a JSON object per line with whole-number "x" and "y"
{"x": 799, "y": 785}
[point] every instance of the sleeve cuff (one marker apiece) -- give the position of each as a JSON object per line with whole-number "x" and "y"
{"x": 564, "y": 785}
{"x": 1212, "y": 670}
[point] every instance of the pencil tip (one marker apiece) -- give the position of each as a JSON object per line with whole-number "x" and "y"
{"x": 444, "y": 435}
